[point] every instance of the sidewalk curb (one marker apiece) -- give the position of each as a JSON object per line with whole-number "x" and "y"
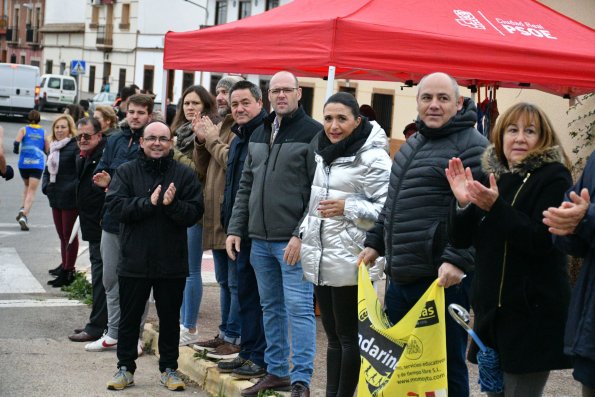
{"x": 202, "y": 372}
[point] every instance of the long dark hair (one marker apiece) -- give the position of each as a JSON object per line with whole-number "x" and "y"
{"x": 208, "y": 106}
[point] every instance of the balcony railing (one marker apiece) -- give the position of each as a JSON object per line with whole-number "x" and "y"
{"x": 105, "y": 35}
{"x": 32, "y": 36}
{"x": 12, "y": 34}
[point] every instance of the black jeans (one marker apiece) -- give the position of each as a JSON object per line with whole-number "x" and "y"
{"x": 98, "y": 317}
{"x": 338, "y": 309}
{"x": 253, "y": 342}
{"x": 134, "y": 293}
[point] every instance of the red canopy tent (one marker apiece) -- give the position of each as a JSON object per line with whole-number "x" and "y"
{"x": 508, "y": 43}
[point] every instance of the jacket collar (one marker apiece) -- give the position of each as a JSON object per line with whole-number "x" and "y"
{"x": 465, "y": 118}
{"x": 287, "y": 119}
{"x": 156, "y": 165}
{"x": 246, "y": 130}
{"x": 534, "y": 160}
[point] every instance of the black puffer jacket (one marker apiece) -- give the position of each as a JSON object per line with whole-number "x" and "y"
{"x": 411, "y": 229}
{"x": 62, "y": 193}
{"x": 153, "y": 241}
{"x": 520, "y": 289}
{"x": 89, "y": 197}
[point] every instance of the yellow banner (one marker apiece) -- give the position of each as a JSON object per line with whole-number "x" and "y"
{"x": 407, "y": 359}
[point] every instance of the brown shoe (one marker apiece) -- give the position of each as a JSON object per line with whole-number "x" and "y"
{"x": 298, "y": 389}
{"x": 269, "y": 381}
{"x": 225, "y": 351}
{"x": 208, "y": 345}
{"x": 83, "y": 337}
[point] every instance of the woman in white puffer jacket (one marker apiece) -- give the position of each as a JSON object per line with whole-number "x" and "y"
{"x": 348, "y": 192}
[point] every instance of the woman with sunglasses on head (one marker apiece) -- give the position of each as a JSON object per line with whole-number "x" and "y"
{"x": 349, "y": 188}
{"x": 195, "y": 102}
{"x": 520, "y": 290}
{"x": 59, "y": 184}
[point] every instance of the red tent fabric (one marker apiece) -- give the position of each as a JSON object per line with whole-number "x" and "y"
{"x": 510, "y": 43}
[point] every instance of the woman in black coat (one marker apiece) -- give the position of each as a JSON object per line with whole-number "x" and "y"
{"x": 520, "y": 290}
{"x": 59, "y": 184}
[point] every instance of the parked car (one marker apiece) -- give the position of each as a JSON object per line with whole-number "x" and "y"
{"x": 17, "y": 88}
{"x": 103, "y": 98}
{"x": 56, "y": 91}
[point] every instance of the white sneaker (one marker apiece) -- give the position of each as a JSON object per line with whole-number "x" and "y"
{"x": 102, "y": 344}
{"x": 187, "y": 338}
{"x": 139, "y": 347}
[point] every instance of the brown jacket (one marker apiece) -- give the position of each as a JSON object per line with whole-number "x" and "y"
{"x": 210, "y": 159}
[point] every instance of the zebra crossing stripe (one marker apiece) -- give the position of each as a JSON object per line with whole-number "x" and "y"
{"x": 15, "y": 277}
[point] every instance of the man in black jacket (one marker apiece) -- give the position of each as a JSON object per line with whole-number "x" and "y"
{"x": 248, "y": 115}
{"x": 269, "y": 206}
{"x": 155, "y": 199}
{"x": 411, "y": 229}
{"x": 89, "y": 202}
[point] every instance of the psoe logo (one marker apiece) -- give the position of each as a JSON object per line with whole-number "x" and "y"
{"x": 467, "y": 19}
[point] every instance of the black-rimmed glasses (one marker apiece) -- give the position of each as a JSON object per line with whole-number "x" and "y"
{"x": 286, "y": 91}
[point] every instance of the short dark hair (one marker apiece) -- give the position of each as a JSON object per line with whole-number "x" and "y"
{"x": 89, "y": 121}
{"x": 247, "y": 85}
{"x": 143, "y": 100}
{"x": 85, "y": 104}
{"x": 127, "y": 92}
{"x": 346, "y": 99}
{"x": 34, "y": 117}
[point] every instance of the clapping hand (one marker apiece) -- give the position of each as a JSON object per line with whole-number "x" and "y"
{"x": 458, "y": 178}
{"x": 563, "y": 220}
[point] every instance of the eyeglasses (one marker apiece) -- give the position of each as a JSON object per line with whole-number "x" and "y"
{"x": 161, "y": 139}
{"x": 84, "y": 135}
{"x": 286, "y": 91}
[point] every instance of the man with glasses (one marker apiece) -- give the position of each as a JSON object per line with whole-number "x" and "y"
{"x": 89, "y": 202}
{"x": 155, "y": 199}
{"x": 269, "y": 206}
{"x": 121, "y": 147}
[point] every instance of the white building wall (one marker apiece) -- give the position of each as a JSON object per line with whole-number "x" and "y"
{"x": 64, "y": 11}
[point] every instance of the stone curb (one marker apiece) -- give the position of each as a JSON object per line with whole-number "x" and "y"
{"x": 202, "y": 372}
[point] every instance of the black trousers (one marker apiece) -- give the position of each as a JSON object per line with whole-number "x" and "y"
{"x": 98, "y": 317}
{"x": 134, "y": 293}
{"x": 338, "y": 310}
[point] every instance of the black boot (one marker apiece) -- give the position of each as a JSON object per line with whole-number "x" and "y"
{"x": 65, "y": 278}
{"x": 56, "y": 271}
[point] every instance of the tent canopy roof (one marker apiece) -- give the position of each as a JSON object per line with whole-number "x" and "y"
{"x": 516, "y": 43}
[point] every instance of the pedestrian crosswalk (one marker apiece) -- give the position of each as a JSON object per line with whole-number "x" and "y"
{"x": 15, "y": 277}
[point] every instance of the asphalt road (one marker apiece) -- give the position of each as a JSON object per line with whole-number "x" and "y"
{"x": 36, "y": 358}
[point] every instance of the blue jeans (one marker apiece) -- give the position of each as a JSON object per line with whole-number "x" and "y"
{"x": 400, "y": 298}
{"x": 193, "y": 288}
{"x": 253, "y": 339}
{"x": 227, "y": 278}
{"x": 285, "y": 298}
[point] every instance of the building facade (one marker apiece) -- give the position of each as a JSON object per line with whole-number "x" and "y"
{"x": 20, "y": 38}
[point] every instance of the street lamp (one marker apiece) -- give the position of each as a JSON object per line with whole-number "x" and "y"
{"x": 203, "y": 7}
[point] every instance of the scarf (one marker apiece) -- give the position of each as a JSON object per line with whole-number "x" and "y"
{"x": 54, "y": 157}
{"x": 185, "y": 137}
{"x": 347, "y": 147}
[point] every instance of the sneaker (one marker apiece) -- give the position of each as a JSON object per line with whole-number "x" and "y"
{"x": 23, "y": 222}
{"x": 230, "y": 365}
{"x": 139, "y": 348}
{"x": 248, "y": 371}
{"x": 208, "y": 345}
{"x": 171, "y": 380}
{"x": 122, "y": 379}
{"x": 102, "y": 344}
{"x": 226, "y": 350}
{"x": 187, "y": 338}
{"x": 21, "y": 213}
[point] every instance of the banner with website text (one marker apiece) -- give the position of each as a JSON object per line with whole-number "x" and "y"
{"x": 407, "y": 359}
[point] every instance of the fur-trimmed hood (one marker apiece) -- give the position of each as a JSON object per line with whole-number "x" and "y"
{"x": 534, "y": 160}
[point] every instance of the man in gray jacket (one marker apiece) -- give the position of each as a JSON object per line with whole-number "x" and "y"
{"x": 269, "y": 206}
{"x": 411, "y": 229}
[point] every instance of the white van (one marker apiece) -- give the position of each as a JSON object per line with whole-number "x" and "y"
{"x": 56, "y": 91}
{"x": 17, "y": 88}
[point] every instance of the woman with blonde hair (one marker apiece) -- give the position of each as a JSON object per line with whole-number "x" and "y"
{"x": 59, "y": 185}
{"x": 106, "y": 115}
{"x": 520, "y": 290}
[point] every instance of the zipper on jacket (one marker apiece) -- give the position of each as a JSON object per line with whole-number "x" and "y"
{"x": 506, "y": 245}
{"x": 327, "y": 171}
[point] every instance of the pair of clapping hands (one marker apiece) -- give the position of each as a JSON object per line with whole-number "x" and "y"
{"x": 561, "y": 220}
{"x": 203, "y": 126}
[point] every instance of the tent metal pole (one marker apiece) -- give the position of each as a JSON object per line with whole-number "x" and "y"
{"x": 164, "y": 92}
{"x": 330, "y": 83}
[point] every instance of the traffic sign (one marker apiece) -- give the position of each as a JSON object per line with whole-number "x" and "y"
{"x": 77, "y": 67}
